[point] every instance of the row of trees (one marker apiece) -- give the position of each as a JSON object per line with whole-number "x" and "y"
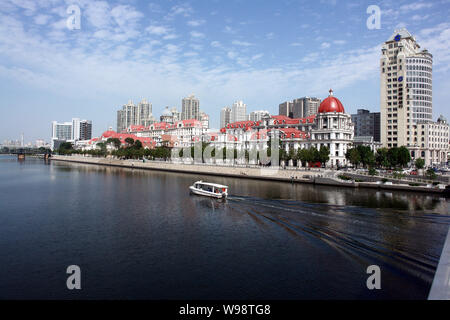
{"x": 384, "y": 157}
{"x": 133, "y": 149}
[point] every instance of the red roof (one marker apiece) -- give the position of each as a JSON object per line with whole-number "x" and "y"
{"x": 159, "y": 126}
{"x": 146, "y": 142}
{"x": 108, "y": 134}
{"x": 291, "y": 133}
{"x": 286, "y": 120}
{"x": 242, "y": 124}
{"x": 135, "y": 128}
{"x": 190, "y": 123}
{"x": 331, "y": 104}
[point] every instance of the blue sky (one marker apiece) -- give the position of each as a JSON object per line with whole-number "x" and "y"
{"x": 263, "y": 52}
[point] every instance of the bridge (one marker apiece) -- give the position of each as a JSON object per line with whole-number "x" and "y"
{"x": 22, "y": 152}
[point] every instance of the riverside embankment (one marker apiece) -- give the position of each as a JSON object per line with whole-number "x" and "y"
{"x": 313, "y": 176}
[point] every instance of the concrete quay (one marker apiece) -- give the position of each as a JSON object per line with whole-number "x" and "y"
{"x": 313, "y": 176}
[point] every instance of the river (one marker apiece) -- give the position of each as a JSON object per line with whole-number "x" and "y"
{"x": 139, "y": 234}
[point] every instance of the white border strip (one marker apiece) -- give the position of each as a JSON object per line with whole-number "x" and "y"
{"x": 440, "y": 289}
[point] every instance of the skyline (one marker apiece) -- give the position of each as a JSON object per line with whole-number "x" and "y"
{"x": 156, "y": 51}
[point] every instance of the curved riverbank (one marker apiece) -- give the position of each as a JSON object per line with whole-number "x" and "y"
{"x": 326, "y": 177}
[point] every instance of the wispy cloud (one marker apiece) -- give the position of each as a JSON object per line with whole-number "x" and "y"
{"x": 195, "y": 23}
{"x": 241, "y": 43}
{"x": 196, "y": 34}
{"x": 158, "y": 30}
{"x": 416, "y": 6}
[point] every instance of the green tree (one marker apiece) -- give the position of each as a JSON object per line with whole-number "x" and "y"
{"x": 382, "y": 158}
{"x": 372, "y": 171}
{"x": 324, "y": 154}
{"x": 115, "y": 142}
{"x": 420, "y": 163}
{"x": 431, "y": 174}
{"x": 137, "y": 144}
{"x": 404, "y": 156}
{"x": 303, "y": 156}
{"x": 283, "y": 154}
{"x": 65, "y": 148}
{"x": 353, "y": 156}
{"x": 367, "y": 158}
{"x": 292, "y": 155}
{"x": 129, "y": 141}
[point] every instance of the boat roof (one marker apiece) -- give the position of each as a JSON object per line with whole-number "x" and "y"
{"x": 211, "y": 184}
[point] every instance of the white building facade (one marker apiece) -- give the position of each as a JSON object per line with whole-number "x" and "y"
{"x": 331, "y": 127}
{"x": 406, "y": 99}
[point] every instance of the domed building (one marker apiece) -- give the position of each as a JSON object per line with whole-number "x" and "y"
{"x": 330, "y": 127}
{"x": 333, "y": 129}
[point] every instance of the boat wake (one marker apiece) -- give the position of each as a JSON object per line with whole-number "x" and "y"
{"x": 364, "y": 234}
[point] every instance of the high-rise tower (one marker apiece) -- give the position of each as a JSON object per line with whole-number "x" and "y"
{"x": 406, "y": 88}
{"x": 190, "y": 108}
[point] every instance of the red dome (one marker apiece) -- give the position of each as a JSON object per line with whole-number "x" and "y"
{"x": 108, "y": 134}
{"x": 331, "y": 104}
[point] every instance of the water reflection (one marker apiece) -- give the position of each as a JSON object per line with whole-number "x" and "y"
{"x": 142, "y": 235}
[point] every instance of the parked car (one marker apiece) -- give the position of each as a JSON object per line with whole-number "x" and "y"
{"x": 315, "y": 165}
{"x": 413, "y": 173}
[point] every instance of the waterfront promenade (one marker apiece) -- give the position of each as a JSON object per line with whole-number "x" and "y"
{"x": 313, "y": 176}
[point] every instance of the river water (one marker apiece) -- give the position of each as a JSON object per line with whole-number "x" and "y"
{"x": 139, "y": 234}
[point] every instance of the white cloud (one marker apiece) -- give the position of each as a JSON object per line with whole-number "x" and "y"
{"x": 98, "y": 14}
{"x": 241, "y": 43}
{"x": 418, "y": 17}
{"x": 231, "y": 54}
{"x": 437, "y": 41}
{"x": 416, "y": 6}
{"x": 339, "y": 42}
{"x": 171, "y": 48}
{"x": 184, "y": 10}
{"x": 195, "y": 46}
{"x": 60, "y": 24}
{"x": 25, "y": 4}
{"x": 195, "y": 34}
{"x": 41, "y": 19}
{"x": 229, "y": 29}
{"x": 195, "y": 23}
{"x": 257, "y": 56}
{"x": 190, "y": 54}
{"x": 170, "y": 36}
{"x": 157, "y": 30}
{"x": 125, "y": 15}
{"x": 106, "y": 65}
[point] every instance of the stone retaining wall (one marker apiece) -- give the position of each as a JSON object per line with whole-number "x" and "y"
{"x": 263, "y": 173}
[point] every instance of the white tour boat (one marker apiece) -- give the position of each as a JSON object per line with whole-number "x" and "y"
{"x": 209, "y": 189}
